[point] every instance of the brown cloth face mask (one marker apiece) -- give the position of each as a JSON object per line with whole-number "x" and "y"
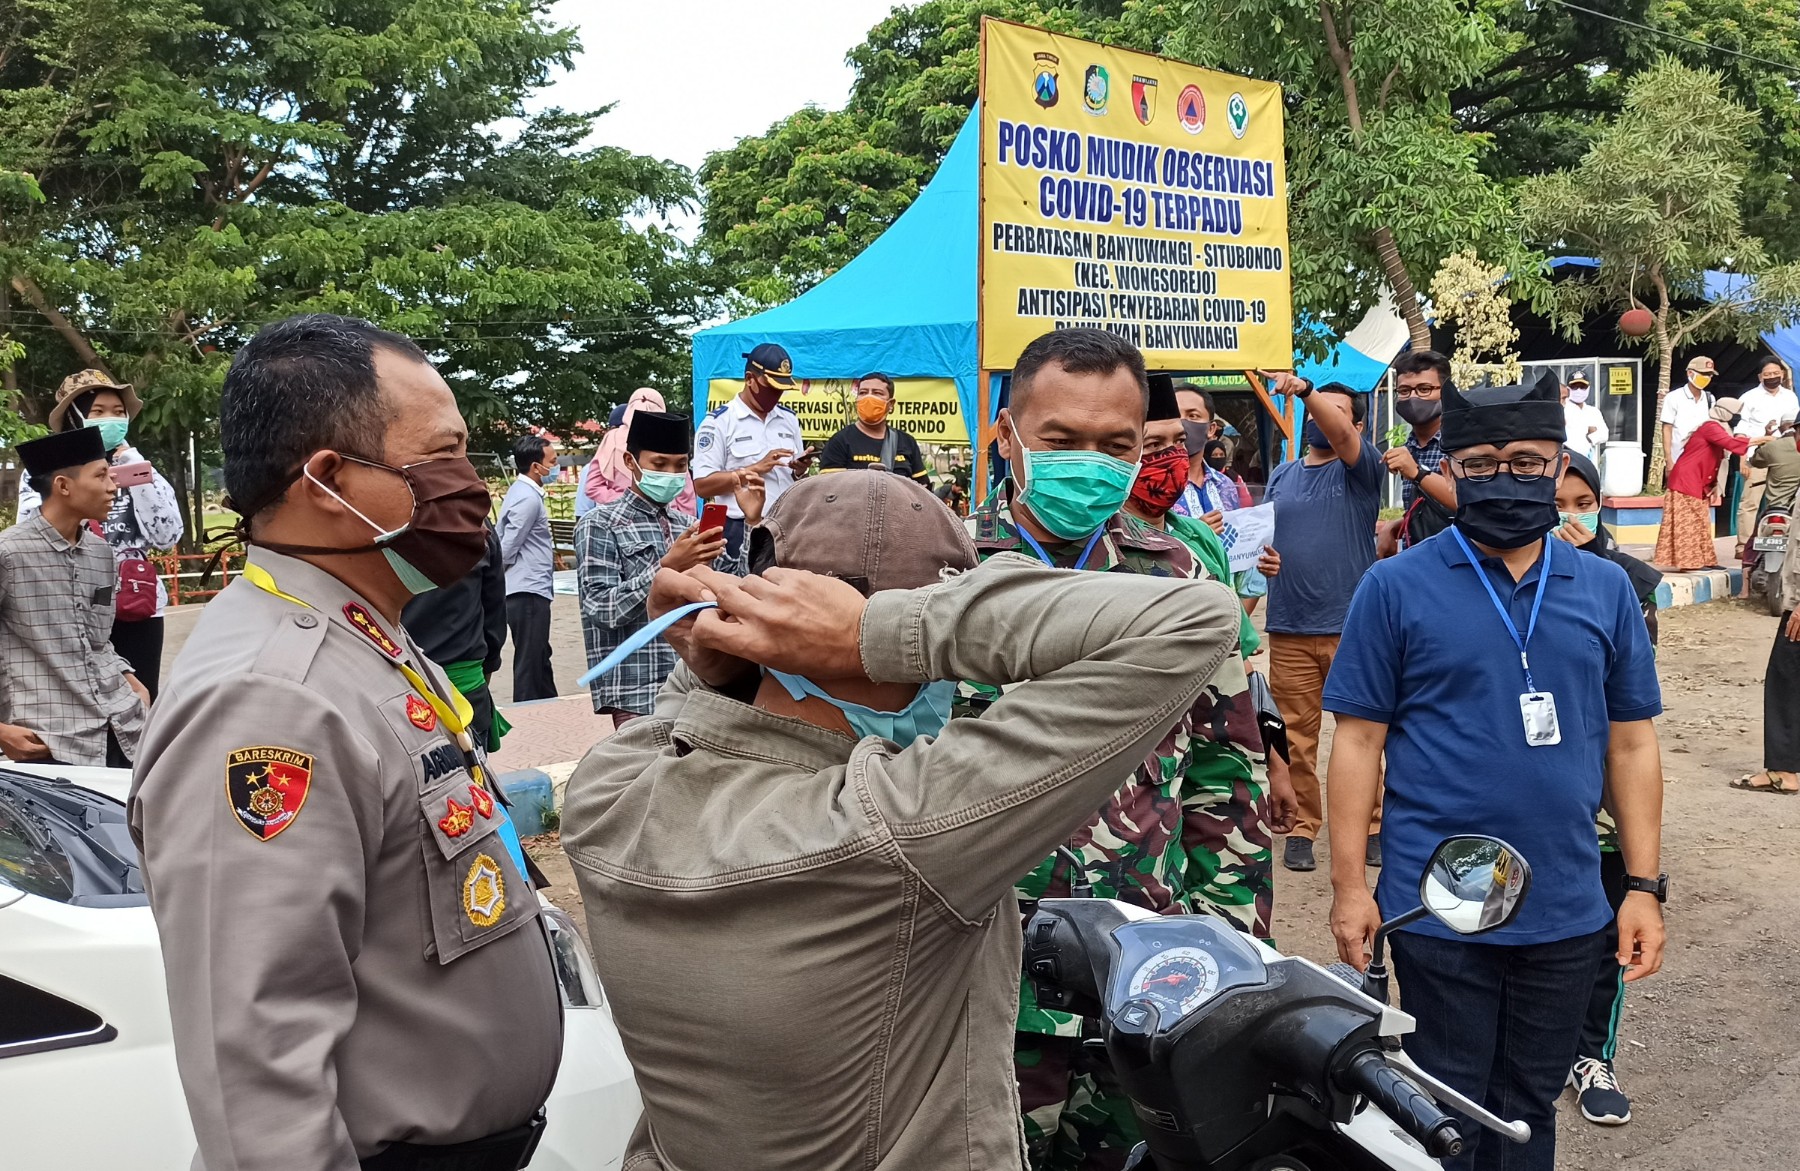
{"x": 443, "y": 539}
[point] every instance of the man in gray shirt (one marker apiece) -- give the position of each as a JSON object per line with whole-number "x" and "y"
{"x": 530, "y": 561}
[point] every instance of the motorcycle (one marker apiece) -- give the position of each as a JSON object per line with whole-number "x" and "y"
{"x": 1238, "y": 1058}
{"x": 1766, "y": 551}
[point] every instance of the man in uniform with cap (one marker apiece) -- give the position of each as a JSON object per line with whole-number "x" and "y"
{"x": 68, "y": 696}
{"x": 803, "y": 875}
{"x": 1510, "y": 681}
{"x": 356, "y": 965}
{"x": 753, "y": 434}
{"x": 1587, "y": 429}
{"x": 620, "y": 546}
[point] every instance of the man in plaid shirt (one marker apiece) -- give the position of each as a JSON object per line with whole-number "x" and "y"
{"x": 620, "y": 546}
{"x": 67, "y": 697}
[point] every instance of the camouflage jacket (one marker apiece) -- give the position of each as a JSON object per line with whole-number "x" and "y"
{"x": 1153, "y": 844}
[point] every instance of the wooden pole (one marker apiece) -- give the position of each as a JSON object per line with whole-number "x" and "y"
{"x": 978, "y": 435}
{"x": 1283, "y": 423}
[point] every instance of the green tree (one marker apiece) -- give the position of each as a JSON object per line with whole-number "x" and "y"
{"x": 1383, "y": 181}
{"x": 1560, "y": 72}
{"x": 787, "y": 208}
{"x": 1655, "y": 200}
{"x": 174, "y": 173}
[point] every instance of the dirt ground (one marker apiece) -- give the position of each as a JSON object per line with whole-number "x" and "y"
{"x": 1709, "y": 1051}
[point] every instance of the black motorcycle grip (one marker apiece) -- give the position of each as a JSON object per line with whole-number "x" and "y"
{"x": 1370, "y": 1074}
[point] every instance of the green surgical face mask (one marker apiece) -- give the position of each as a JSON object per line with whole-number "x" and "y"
{"x": 1589, "y": 520}
{"x": 1072, "y": 493}
{"x": 112, "y": 431}
{"x": 661, "y": 487}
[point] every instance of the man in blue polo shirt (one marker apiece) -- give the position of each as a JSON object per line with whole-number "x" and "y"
{"x": 1509, "y": 680}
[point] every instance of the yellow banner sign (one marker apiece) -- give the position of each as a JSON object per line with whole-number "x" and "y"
{"x": 1134, "y": 194}
{"x": 925, "y": 408}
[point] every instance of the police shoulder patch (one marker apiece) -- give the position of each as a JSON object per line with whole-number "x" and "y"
{"x": 365, "y": 623}
{"x": 266, "y": 787}
{"x": 419, "y": 714}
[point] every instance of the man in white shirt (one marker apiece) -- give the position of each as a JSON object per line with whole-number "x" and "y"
{"x": 1588, "y": 432}
{"x": 1763, "y": 404}
{"x": 1685, "y": 408}
{"x": 751, "y": 433}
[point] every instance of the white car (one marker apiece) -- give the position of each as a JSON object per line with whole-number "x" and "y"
{"x": 87, "y": 1061}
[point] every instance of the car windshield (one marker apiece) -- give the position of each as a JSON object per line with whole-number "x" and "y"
{"x": 63, "y": 842}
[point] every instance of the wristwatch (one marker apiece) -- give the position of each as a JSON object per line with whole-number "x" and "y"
{"x": 1307, "y": 388}
{"x": 1658, "y": 886}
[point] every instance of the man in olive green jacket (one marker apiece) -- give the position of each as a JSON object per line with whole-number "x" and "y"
{"x": 808, "y": 934}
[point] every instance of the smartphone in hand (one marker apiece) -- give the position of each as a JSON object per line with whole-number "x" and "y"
{"x": 712, "y": 517}
{"x": 131, "y": 475}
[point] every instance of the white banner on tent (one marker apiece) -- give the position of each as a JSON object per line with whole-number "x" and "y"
{"x": 1247, "y": 530}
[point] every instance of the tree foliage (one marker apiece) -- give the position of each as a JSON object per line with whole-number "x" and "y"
{"x": 174, "y": 173}
{"x": 1655, "y": 200}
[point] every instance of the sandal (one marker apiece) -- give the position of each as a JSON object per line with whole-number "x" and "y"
{"x": 1786, "y": 784}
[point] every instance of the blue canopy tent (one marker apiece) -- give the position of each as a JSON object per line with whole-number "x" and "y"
{"x": 905, "y": 305}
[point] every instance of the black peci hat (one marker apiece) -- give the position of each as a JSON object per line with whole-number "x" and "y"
{"x": 1503, "y": 414}
{"x": 62, "y": 449}
{"x": 656, "y": 431}
{"x": 1162, "y": 403}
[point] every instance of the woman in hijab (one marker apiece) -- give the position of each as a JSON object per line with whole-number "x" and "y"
{"x": 1685, "y": 540}
{"x": 1578, "y": 510}
{"x": 608, "y": 478}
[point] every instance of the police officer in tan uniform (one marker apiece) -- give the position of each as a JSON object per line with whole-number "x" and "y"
{"x": 356, "y": 967}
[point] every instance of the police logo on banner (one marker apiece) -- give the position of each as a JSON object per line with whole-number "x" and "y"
{"x": 1237, "y": 112}
{"x": 1043, "y": 84}
{"x": 1143, "y": 98}
{"x": 1096, "y": 89}
{"x": 1190, "y": 109}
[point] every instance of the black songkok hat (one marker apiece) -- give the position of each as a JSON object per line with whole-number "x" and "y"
{"x": 64, "y": 449}
{"x": 1502, "y": 414}
{"x": 656, "y": 431}
{"x": 1162, "y": 399}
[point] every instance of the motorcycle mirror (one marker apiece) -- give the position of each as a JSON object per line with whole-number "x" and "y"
{"x": 1475, "y": 883}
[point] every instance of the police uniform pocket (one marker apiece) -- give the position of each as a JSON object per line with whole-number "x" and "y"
{"x": 476, "y": 891}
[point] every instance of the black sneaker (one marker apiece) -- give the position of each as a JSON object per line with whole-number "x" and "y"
{"x": 1372, "y": 852}
{"x": 1597, "y": 1089}
{"x": 1299, "y": 854}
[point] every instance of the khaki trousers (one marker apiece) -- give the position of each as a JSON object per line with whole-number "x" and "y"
{"x": 1755, "y": 483}
{"x": 1298, "y": 664}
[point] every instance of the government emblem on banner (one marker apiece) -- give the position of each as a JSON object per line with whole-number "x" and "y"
{"x": 1237, "y": 112}
{"x": 1096, "y": 89}
{"x": 1143, "y": 98}
{"x": 1044, "y": 83}
{"x": 1190, "y": 109}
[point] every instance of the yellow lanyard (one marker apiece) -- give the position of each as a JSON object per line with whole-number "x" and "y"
{"x": 455, "y": 715}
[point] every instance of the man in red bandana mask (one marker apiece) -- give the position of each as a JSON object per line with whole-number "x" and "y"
{"x": 1162, "y": 474}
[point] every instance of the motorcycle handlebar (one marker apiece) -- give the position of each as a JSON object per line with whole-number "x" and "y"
{"x": 1369, "y": 1074}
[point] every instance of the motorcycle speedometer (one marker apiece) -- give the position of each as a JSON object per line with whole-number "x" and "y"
{"x": 1178, "y": 979}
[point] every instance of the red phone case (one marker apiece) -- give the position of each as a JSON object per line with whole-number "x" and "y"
{"x": 712, "y": 517}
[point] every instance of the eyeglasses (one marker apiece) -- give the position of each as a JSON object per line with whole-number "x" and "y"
{"x": 1426, "y": 390}
{"x": 1482, "y": 468}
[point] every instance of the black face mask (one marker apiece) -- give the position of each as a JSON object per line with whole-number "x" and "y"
{"x": 1419, "y": 410}
{"x": 1504, "y": 512}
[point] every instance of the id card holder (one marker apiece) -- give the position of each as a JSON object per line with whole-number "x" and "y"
{"x": 1538, "y": 708}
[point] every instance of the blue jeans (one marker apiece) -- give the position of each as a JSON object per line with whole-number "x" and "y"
{"x": 1501, "y": 1025}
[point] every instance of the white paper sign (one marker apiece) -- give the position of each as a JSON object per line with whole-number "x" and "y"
{"x": 1247, "y": 530}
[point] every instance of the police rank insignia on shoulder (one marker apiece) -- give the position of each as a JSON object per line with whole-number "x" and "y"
{"x": 484, "y": 892}
{"x": 362, "y": 620}
{"x": 420, "y": 714}
{"x": 266, "y": 787}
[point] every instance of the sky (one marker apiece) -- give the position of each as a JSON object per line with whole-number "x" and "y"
{"x": 694, "y": 76}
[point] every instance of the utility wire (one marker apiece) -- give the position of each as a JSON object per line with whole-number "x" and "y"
{"x": 1675, "y": 36}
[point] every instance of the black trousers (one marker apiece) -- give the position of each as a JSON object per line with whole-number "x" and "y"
{"x": 734, "y": 535}
{"x": 1501, "y": 1024}
{"x": 141, "y": 645}
{"x": 1781, "y": 694}
{"x": 1606, "y": 1004}
{"x": 528, "y": 619}
{"x": 481, "y": 724}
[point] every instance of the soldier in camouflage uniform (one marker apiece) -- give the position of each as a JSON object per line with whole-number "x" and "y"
{"x": 1174, "y": 838}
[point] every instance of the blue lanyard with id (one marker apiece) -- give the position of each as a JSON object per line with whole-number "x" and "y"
{"x": 1045, "y": 557}
{"x": 1536, "y": 708}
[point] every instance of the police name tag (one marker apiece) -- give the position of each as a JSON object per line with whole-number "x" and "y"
{"x": 1539, "y": 711}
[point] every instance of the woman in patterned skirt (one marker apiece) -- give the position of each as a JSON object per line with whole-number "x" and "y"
{"x": 1685, "y": 540}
